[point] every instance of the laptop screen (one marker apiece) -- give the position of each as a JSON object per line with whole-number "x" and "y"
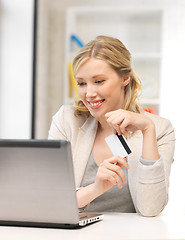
{"x": 37, "y": 182}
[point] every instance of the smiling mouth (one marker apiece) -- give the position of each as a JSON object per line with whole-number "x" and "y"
{"x": 96, "y": 104}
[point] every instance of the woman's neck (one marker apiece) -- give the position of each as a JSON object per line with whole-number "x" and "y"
{"x": 105, "y": 128}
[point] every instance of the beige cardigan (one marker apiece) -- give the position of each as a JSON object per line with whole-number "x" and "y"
{"x": 148, "y": 184}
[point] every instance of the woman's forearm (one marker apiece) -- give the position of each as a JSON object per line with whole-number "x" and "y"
{"x": 86, "y": 195}
{"x": 150, "y": 149}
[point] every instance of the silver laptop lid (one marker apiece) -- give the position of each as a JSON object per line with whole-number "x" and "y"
{"x": 37, "y": 182}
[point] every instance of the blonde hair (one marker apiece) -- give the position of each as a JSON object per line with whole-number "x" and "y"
{"x": 112, "y": 51}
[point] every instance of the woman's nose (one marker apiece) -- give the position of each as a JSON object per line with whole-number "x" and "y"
{"x": 90, "y": 92}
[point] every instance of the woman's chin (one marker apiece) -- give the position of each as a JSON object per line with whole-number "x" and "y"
{"x": 97, "y": 115}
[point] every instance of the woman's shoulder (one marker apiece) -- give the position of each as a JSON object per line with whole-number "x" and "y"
{"x": 67, "y": 110}
{"x": 66, "y": 114}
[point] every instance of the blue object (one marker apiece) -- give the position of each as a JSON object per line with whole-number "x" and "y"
{"x": 77, "y": 40}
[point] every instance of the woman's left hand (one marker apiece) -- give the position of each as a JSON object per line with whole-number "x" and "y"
{"x": 123, "y": 121}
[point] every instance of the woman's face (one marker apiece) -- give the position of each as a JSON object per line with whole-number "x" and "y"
{"x": 99, "y": 87}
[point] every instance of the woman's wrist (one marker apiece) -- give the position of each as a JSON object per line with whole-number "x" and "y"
{"x": 87, "y": 194}
{"x": 149, "y": 128}
{"x": 150, "y": 149}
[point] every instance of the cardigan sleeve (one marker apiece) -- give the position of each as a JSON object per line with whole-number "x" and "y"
{"x": 153, "y": 179}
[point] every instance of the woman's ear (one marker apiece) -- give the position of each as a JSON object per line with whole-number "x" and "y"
{"x": 126, "y": 80}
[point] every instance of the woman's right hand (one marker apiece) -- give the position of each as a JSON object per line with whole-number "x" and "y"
{"x": 110, "y": 174}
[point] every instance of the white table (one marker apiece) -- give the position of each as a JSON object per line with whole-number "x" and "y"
{"x": 115, "y": 226}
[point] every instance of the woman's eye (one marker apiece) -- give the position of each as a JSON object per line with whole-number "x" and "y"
{"x": 99, "y": 81}
{"x": 80, "y": 83}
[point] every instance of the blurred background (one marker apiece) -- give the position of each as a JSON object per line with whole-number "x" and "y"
{"x": 38, "y": 39}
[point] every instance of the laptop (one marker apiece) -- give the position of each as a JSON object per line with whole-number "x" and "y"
{"x": 37, "y": 186}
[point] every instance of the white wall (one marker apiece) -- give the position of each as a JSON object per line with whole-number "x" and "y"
{"x": 16, "y": 28}
{"x": 172, "y": 96}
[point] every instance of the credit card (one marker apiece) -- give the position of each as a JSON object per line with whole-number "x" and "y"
{"x": 118, "y": 145}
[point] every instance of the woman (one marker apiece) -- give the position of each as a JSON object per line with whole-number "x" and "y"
{"x": 108, "y": 90}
